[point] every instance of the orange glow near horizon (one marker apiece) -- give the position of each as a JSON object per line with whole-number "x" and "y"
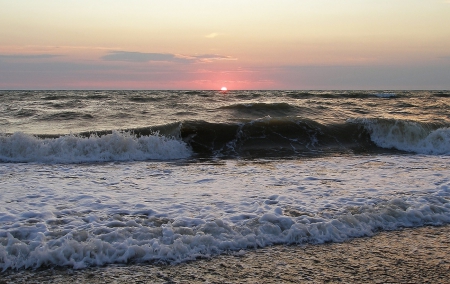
{"x": 335, "y": 45}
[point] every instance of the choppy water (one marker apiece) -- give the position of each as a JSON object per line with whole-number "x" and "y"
{"x": 97, "y": 177}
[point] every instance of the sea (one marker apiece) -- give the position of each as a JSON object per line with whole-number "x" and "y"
{"x": 91, "y": 178}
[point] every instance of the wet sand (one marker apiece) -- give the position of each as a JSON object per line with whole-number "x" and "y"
{"x": 420, "y": 255}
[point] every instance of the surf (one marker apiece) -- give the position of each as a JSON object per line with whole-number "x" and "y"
{"x": 115, "y": 146}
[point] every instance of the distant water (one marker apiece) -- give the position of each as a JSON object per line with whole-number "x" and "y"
{"x": 97, "y": 177}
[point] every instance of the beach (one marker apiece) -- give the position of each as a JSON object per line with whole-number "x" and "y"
{"x": 225, "y": 142}
{"x": 417, "y": 255}
{"x": 238, "y": 189}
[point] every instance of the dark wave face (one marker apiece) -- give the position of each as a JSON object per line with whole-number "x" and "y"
{"x": 442, "y": 94}
{"x": 274, "y": 137}
{"x": 302, "y": 137}
{"x": 259, "y": 106}
{"x": 144, "y": 99}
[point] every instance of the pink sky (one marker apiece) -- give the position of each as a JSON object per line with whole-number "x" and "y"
{"x": 199, "y": 44}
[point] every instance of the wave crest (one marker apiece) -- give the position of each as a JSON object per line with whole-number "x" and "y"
{"x": 410, "y": 136}
{"x": 116, "y": 146}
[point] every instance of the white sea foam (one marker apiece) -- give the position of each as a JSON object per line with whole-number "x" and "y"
{"x": 117, "y": 146}
{"x": 67, "y": 214}
{"x": 408, "y": 136}
{"x": 130, "y": 241}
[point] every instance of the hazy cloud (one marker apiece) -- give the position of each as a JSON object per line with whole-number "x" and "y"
{"x": 210, "y": 57}
{"x": 130, "y": 56}
{"x": 28, "y": 74}
{"x": 364, "y": 77}
{"x": 212, "y": 35}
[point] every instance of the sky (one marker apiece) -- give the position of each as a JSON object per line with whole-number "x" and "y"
{"x": 208, "y": 44}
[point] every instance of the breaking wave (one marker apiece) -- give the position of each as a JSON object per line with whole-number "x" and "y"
{"x": 410, "y": 136}
{"x": 149, "y": 238}
{"x": 259, "y": 138}
{"x": 116, "y": 146}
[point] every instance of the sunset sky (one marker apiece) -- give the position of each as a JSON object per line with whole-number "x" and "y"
{"x": 207, "y": 44}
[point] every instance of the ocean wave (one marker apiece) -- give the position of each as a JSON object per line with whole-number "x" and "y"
{"x": 385, "y": 95}
{"x": 267, "y": 137}
{"x": 148, "y": 238}
{"x": 294, "y": 136}
{"x": 274, "y": 137}
{"x": 343, "y": 94}
{"x": 115, "y": 146}
{"x": 410, "y": 136}
{"x": 67, "y": 115}
{"x": 259, "y": 106}
{"x": 258, "y": 110}
{"x": 145, "y": 99}
{"x": 441, "y": 94}
{"x": 24, "y": 112}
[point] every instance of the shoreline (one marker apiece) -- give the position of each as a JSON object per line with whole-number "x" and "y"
{"x": 410, "y": 255}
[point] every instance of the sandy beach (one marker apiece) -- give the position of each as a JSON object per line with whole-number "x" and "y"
{"x": 419, "y": 255}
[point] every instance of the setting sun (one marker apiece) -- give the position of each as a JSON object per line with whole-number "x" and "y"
{"x": 224, "y": 89}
